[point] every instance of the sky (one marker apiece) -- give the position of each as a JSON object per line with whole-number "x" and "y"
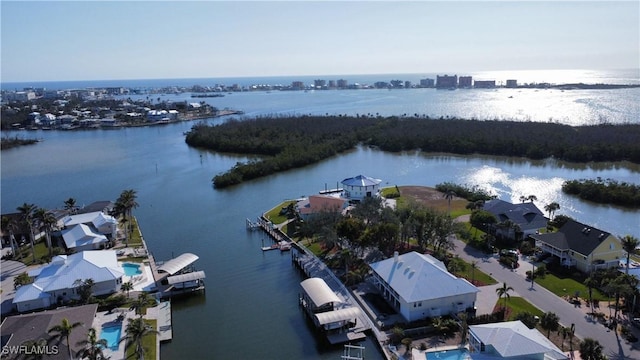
{"x": 110, "y": 40}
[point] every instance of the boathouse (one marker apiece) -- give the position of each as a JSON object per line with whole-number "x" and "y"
{"x": 359, "y": 187}
{"x": 322, "y": 306}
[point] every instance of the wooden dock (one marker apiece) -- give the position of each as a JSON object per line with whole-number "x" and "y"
{"x": 282, "y": 241}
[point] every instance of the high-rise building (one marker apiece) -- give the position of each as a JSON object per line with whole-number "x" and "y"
{"x": 465, "y": 81}
{"x": 447, "y": 82}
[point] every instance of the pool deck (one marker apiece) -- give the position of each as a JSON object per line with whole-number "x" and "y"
{"x": 106, "y": 318}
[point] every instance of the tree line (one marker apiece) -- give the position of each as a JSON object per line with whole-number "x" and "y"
{"x": 283, "y": 143}
{"x": 606, "y": 191}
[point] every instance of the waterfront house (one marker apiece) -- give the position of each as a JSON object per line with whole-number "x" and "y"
{"x": 82, "y": 237}
{"x": 18, "y": 329}
{"x": 361, "y": 186}
{"x": 526, "y": 216}
{"x": 512, "y": 340}
{"x": 57, "y": 282}
{"x": 583, "y": 246}
{"x": 419, "y": 286}
{"x": 315, "y": 204}
{"x": 101, "y": 222}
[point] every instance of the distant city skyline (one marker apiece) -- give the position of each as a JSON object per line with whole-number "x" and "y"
{"x": 68, "y": 41}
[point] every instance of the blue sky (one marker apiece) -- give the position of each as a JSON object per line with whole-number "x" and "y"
{"x": 89, "y": 40}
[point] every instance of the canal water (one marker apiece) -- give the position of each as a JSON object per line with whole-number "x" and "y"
{"x": 250, "y": 309}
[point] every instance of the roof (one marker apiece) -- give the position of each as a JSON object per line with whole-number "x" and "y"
{"x": 513, "y": 338}
{"x": 526, "y": 215}
{"x": 361, "y": 180}
{"x": 574, "y": 236}
{"x": 96, "y": 218}
{"x": 338, "y": 315}
{"x": 34, "y": 326}
{"x": 104, "y": 206}
{"x": 317, "y": 203}
{"x": 62, "y": 272}
{"x": 81, "y": 235}
{"x": 319, "y": 292}
{"x": 413, "y": 275}
{"x": 195, "y": 275}
{"x": 174, "y": 265}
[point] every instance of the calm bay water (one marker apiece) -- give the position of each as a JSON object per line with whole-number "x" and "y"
{"x": 250, "y": 309}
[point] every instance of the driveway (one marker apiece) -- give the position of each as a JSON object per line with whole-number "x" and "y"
{"x": 9, "y": 269}
{"x": 614, "y": 345}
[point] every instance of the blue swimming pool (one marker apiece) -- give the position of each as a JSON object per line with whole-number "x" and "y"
{"x": 455, "y": 354}
{"x": 112, "y": 335}
{"x": 131, "y": 269}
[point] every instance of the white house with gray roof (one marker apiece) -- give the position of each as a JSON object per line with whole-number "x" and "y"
{"x": 57, "y": 281}
{"x": 361, "y": 186}
{"x": 512, "y": 340}
{"x": 419, "y": 286}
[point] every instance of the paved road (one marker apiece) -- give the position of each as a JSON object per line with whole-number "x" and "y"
{"x": 614, "y": 345}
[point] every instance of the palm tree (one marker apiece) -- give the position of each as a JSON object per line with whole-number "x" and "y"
{"x": 70, "y": 205}
{"x": 629, "y": 244}
{"x": 474, "y": 265}
{"x": 128, "y": 286}
{"x": 572, "y": 333}
{"x": 135, "y": 331}
{"x": 532, "y": 198}
{"x": 38, "y": 354}
{"x": 125, "y": 205}
{"x": 449, "y": 195}
{"x": 551, "y": 208}
{"x": 591, "y": 283}
{"x": 504, "y": 292}
{"x": 144, "y": 301}
{"x": 591, "y": 349}
{"x": 523, "y": 198}
{"x": 92, "y": 347}
{"x": 26, "y": 213}
{"x": 63, "y": 331}
{"x": 10, "y": 226}
{"x": 550, "y": 322}
{"x": 47, "y": 222}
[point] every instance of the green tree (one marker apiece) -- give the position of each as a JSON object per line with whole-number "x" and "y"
{"x": 92, "y": 347}
{"x": 124, "y": 206}
{"x": 550, "y": 322}
{"x": 47, "y": 223}
{"x": 629, "y": 245}
{"x": 128, "y": 286}
{"x": 26, "y": 214}
{"x": 70, "y": 205}
{"x": 63, "y": 331}
{"x": 137, "y": 329}
{"x": 591, "y": 349}
{"x": 34, "y": 349}
{"x": 551, "y": 208}
{"x": 503, "y": 292}
{"x": 22, "y": 279}
{"x": 84, "y": 289}
{"x": 449, "y": 195}
{"x": 10, "y": 226}
{"x": 142, "y": 302}
{"x": 591, "y": 282}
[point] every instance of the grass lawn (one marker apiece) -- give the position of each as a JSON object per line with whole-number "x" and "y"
{"x": 135, "y": 239}
{"x": 148, "y": 343}
{"x": 518, "y": 305}
{"x": 567, "y": 286}
{"x": 479, "y": 277}
{"x": 41, "y": 251}
{"x": 274, "y": 214}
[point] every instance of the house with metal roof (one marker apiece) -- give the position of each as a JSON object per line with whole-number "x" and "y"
{"x": 359, "y": 187}
{"x": 82, "y": 237}
{"x": 419, "y": 286}
{"x": 103, "y": 223}
{"x": 512, "y": 340}
{"x": 583, "y": 246}
{"x": 528, "y": 218}
{"x": 57, "y": 282}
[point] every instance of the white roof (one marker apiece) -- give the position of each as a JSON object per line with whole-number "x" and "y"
{"x": 81, "y": 235}
{"x": 413, "y": 276}
{"x": 196, "y": 275}
{"x": 97, "y": 218}
{"x": 319, "y": 292}
{"x": 174, "y": 265}
{"x": 338, "y": 315}
{"x": 99, "y": 265}
{"x": 513, "y": 338}
{"x": 361, "y": 180}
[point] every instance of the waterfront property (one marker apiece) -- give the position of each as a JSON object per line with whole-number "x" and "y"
{"x": 359, "y": 187}
{"x": 57, "y": 282}
{"x": 103, "y": 223}
{"x": 18, "y": 329}
{"x": 526, "y": 216}
{"x": 419, "y": 286}
{"x": 583, "y": 246}
{"x": 315, "y": 204}
{"x": 81, "y": 237}
{"x": 512, "y": 340}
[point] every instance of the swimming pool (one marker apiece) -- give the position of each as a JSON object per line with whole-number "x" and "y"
{"x": 112, "y": 335}
{"x": 131, "y": 269}
{"x": 455, "y": 354}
